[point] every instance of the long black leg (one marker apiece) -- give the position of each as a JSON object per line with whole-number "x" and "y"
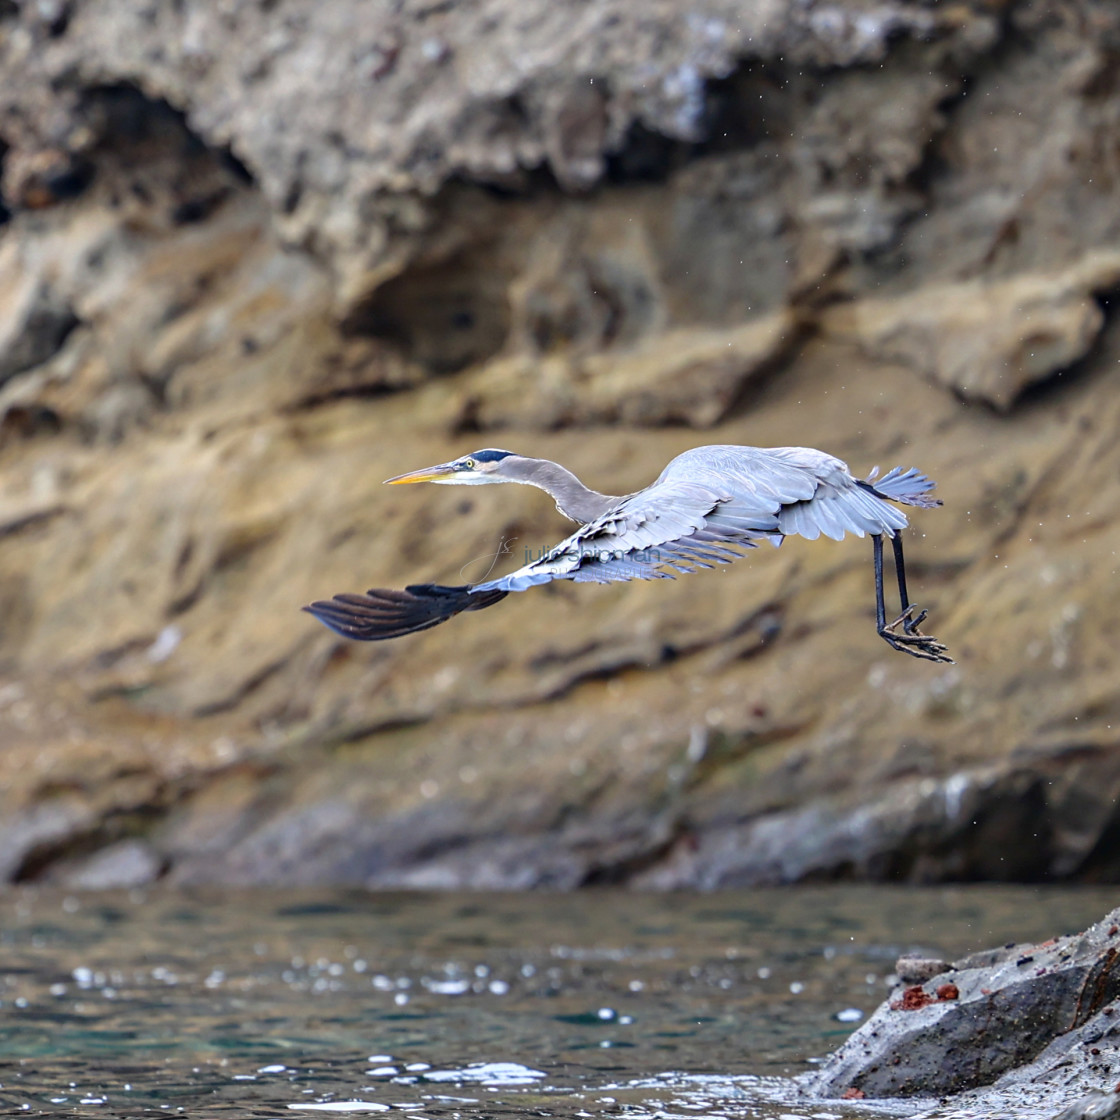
{"x": 880, "y": 606}
{"x": 911, "y": 640}
{"x": 900, "y": 570}
{"x": 912, "y": 622}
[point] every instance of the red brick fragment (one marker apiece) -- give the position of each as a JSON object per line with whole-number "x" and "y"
{"x": 948, "y": 991}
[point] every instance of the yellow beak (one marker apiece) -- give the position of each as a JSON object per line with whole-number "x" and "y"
{"x": 428, "y": 474}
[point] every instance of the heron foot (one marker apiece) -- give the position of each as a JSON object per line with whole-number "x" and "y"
{"x": 912, "y": 640}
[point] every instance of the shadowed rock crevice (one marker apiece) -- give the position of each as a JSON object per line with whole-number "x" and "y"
{"x": 74, "y": 857}
{"x": 1101, "y": 863}
{"x": 42, "y": 325}
{"x": 1097, "y": 358}
{"x": 442, "y": 317}
{"x": 146, "y": 150}
{"x": 5, "y": 208}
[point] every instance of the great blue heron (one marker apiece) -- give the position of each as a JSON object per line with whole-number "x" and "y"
{"x": 706, "y": 505}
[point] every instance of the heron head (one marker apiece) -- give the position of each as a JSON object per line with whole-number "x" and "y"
{"x": 475, "y": 469}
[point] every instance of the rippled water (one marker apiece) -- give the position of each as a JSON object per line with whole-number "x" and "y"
{"x": 462, "y": 1006}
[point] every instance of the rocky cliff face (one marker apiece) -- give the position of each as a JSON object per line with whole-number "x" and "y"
{"x": 258, "y": 257}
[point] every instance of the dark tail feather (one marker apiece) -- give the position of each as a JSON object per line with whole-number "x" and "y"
{"x": 381, "y": 614}
{"x": 908, "y": 486}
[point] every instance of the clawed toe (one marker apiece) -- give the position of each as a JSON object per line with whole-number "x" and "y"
{"x": 907, "y": 621}
{"x": 912, "y": 640}
{"x": 911, "y": 624}
{"x": 925, "y": 646}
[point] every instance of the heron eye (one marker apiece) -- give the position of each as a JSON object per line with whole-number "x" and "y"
{"x": 468, "y": 464}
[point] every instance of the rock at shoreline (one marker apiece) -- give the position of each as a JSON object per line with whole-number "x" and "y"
{"x": 1017, "y": 1020}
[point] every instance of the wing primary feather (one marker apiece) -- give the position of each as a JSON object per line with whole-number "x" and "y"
{"x": 383, "y": 613}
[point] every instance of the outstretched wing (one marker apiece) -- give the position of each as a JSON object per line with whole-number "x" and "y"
{"x": 674, "y": 525}
{"x": 812, "y": 493}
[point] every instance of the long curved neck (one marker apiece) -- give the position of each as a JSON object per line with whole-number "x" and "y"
{"x": 573, "y": 499}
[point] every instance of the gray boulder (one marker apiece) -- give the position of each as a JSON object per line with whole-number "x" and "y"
{"x": 1013, "y": 1017}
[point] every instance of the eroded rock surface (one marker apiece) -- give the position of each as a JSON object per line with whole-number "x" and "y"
{"x": 258, "y": 257}
{"x": 1026, "y": 1023}
{"x": 986, "y": 1014}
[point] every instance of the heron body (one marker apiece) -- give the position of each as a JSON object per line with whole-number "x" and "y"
{"x": 706, "y": 507}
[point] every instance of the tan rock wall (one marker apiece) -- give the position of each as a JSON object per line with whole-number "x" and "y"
{"x": 260, "y": 257}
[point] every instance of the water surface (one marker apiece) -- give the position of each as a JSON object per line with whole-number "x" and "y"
{"x": 281, "y": 1004}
